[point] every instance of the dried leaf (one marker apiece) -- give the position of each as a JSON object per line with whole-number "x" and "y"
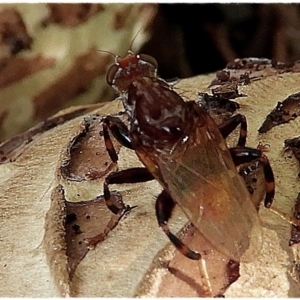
{"x": 246, "y": 70}
{"x": 294, "y": 145}
{"x": 284, "y": 112}
{"x": 219, "y": 108}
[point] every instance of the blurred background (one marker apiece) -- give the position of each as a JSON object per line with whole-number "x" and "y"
{"x": 50, "y": 58}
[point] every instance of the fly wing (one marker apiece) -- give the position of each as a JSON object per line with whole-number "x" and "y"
{"x": 201, "y": 177}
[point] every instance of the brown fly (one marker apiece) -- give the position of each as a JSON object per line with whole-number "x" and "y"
{"x": 185, "y": 150}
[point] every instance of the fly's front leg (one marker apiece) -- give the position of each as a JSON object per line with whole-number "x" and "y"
{"x": 120, "y": 131}
{"x": 164, "y": 206}
{"x": 229, "y": 125}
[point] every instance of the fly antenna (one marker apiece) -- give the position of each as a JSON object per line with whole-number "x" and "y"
{"x": 134, "y": 38}
{"x": 108, "y": 52}
{"x": 148, "y": 16}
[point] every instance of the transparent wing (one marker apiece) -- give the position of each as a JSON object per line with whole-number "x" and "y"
{"x": 202, "y": 179}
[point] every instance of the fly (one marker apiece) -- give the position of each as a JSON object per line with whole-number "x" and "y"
{"x": 185, "y": 150}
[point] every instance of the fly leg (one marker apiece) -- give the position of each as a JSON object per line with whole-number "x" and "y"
{"x": 115, "y": 205}
{"x": 241, "y": 155}
{"x": 229, "y": 125}
{"x": 120, "y": 131}
{"x": 164, "y": 206}
{"x": 133, "y": 175}
{"x": 113, "y": 222}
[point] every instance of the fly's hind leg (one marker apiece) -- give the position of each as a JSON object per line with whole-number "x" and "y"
{"x": 164, "y": 206}
{"x": 241, "y": 155}
{"x": 229, "y": 125}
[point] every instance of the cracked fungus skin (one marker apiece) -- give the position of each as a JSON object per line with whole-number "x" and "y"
{"x": 123, "y": 259}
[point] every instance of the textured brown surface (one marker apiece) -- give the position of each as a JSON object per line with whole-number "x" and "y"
{"x": 14, "y": 69}
{"x": 71, "y": 14}
{"x": 78, "y": 79}
{"x": 13, "y": 31}
{"x": 49, "y": 56}
{"x": 245, "y": 70}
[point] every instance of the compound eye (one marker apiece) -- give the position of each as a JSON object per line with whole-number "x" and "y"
{"x": 111, "y": 73}
{"x": 149, "y": 59}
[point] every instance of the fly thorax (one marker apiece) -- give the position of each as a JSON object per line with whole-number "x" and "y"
{"x": 158, "y": 111}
